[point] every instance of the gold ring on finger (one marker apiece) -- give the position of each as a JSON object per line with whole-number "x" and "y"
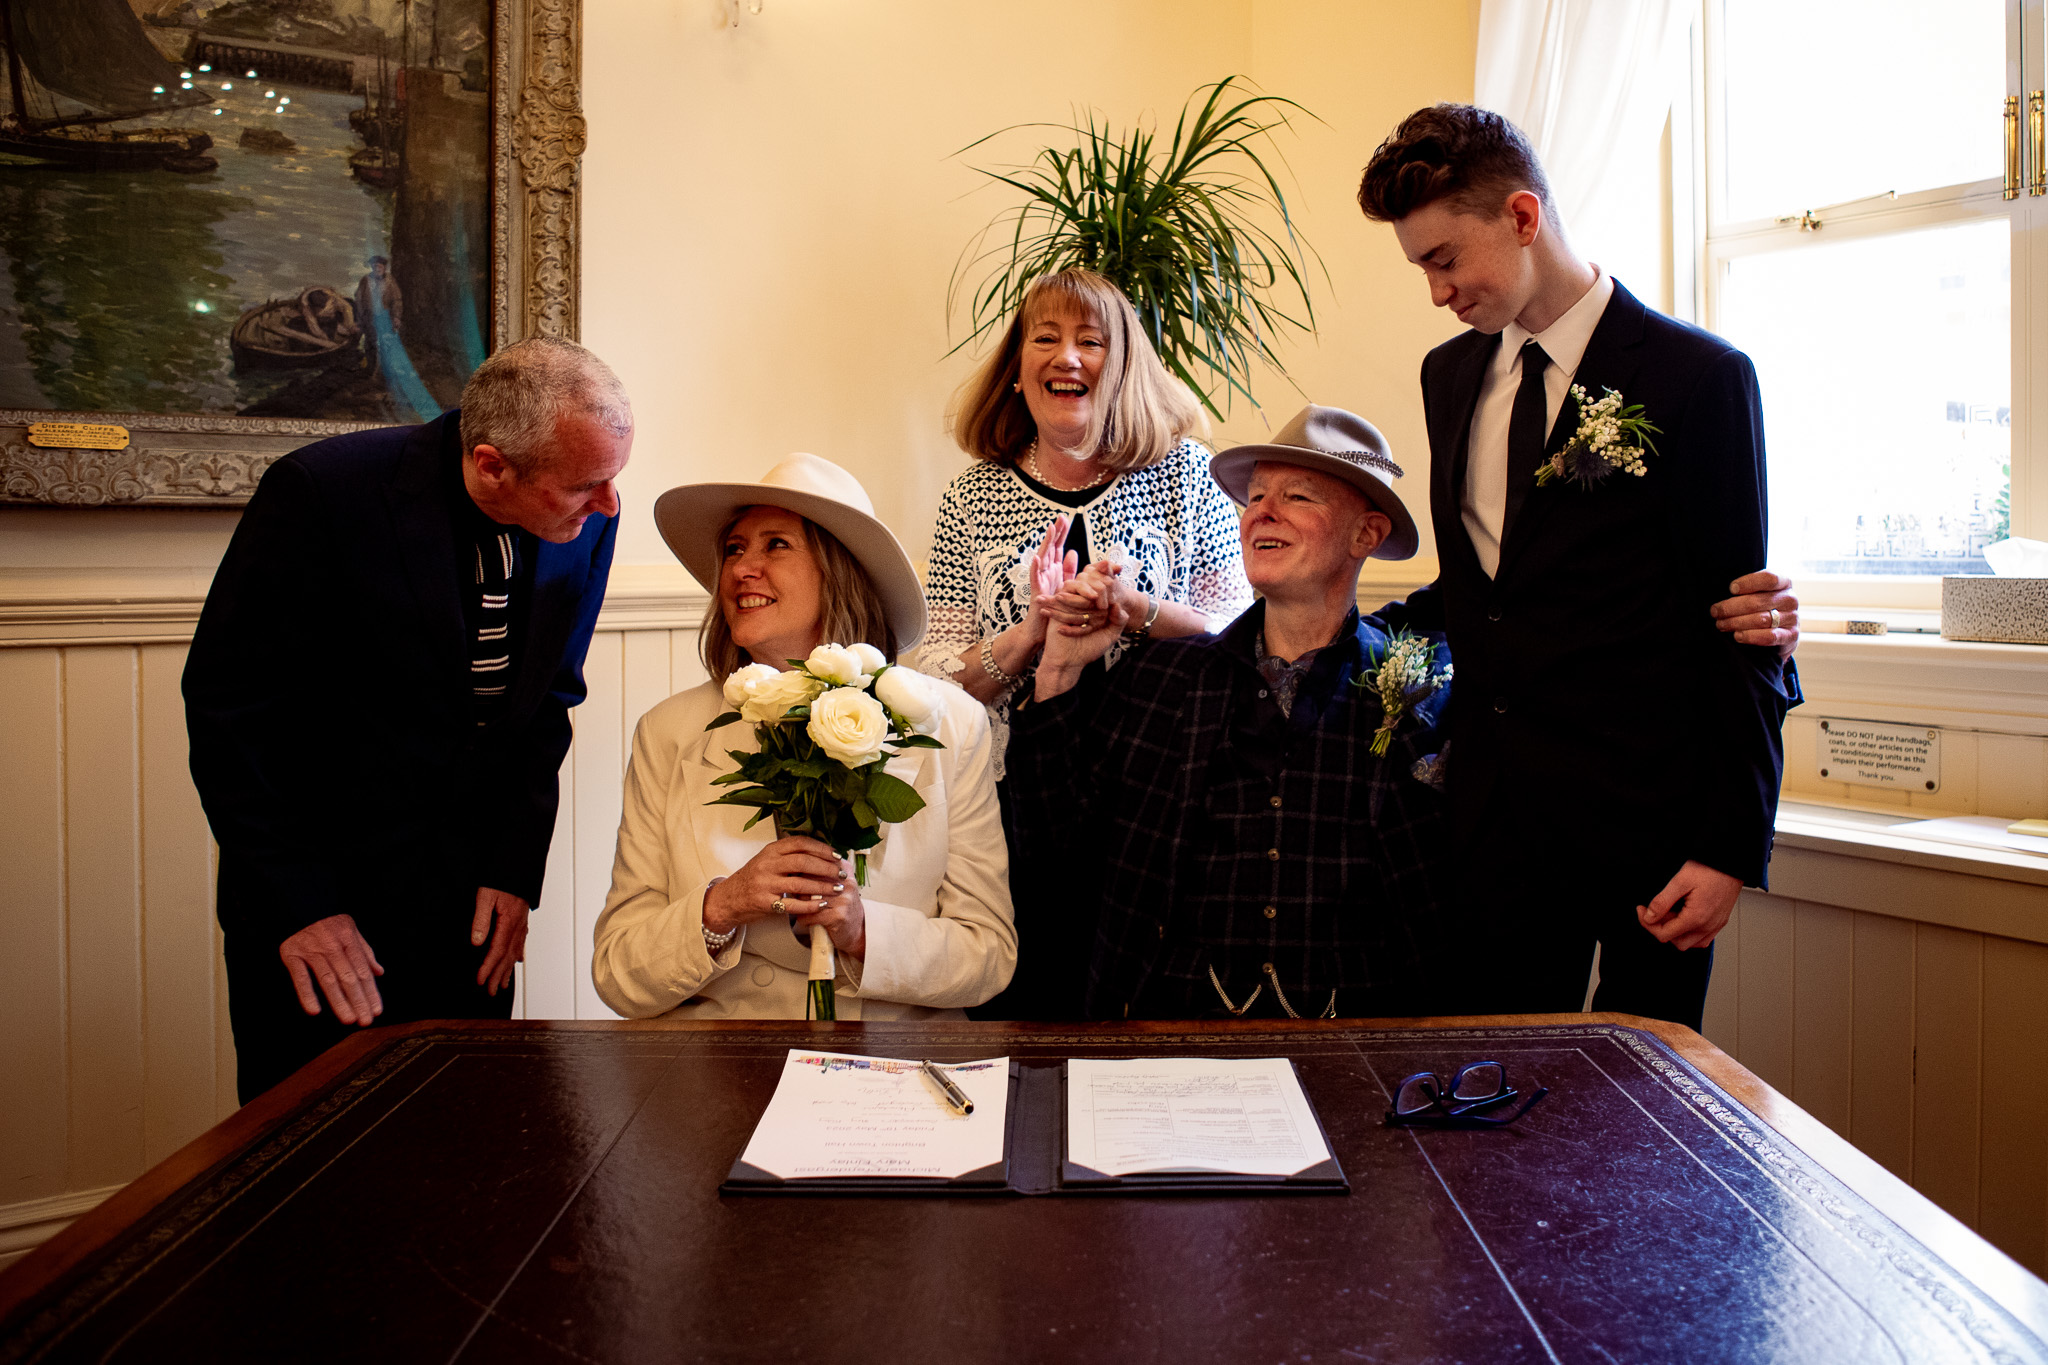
{"x": 778, "y": 907}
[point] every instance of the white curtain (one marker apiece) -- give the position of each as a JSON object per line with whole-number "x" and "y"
{"x": 1591, "y": 83}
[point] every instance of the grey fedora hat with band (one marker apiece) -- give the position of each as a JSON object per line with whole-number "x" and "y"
{"x": 691, "y": 515}
{"x": 1335, "y": 442}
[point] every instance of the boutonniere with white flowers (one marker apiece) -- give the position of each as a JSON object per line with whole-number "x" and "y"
{"x": 827, "y": 726}
{"x": 1612, "y": 436}
{"x": 1403, "y": 676}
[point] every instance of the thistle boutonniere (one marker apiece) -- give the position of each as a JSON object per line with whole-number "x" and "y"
{"x": 1611, "y": 436}
{"x": 1403, "y": 677}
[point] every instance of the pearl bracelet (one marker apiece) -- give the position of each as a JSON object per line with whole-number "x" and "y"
{"x": 994, "y": 669}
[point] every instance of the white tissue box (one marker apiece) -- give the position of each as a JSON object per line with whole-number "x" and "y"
{"x": 1987, "y": 607}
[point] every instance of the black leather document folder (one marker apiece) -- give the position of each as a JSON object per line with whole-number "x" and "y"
{"x": 1035, "y": 1161}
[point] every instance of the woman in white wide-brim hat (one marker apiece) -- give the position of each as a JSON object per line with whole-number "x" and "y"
{"x": 705, "y": 918}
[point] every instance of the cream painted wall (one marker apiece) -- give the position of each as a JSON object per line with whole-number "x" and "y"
{"x": 771, "y": 213}
{"x": 773, "y": 210}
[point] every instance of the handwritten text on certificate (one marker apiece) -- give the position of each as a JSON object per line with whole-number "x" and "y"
{"x": 1239, "y": 1115}
{"x": 836, "y": 1114}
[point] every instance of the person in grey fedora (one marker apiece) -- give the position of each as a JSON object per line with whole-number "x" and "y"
{"x": 1249, "y": 828}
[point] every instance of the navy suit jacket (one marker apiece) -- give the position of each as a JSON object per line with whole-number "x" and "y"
{"x": 1594, "y": 695}
{"x": 327, "y": 694}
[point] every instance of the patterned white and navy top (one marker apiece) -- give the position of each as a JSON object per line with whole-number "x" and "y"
{"x": 1170, "y": 522}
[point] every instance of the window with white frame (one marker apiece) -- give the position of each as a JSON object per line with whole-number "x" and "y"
{"x": 1862, "y": 236}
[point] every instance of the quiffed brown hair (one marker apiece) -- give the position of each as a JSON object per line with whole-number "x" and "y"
{"x": 850, "y": 610}
{"x": 1471, "y": 156}
{"x": 1146, "y": 412}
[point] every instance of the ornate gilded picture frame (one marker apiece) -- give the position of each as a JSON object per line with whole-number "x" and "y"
{"x": 277, "y": 367}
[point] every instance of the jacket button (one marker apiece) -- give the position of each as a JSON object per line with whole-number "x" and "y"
{"x": 1493, "y": 614}
{"x": 1500, "y": 706}
{"x": 1272, "y": 855}
{"x": 1270, "y": 911}
{"x": 1262, "y": 694}
{"x": 1162, "y": 931}
{"x": 1273, "y": 801}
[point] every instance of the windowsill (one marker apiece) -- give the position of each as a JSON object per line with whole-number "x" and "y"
{"x": 1866, "y": 832}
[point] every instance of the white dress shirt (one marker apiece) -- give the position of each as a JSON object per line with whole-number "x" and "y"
{"x": 1486, "y": 466}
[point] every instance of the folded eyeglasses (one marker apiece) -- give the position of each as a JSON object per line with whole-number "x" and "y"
{"x": 1475, "y": 1096}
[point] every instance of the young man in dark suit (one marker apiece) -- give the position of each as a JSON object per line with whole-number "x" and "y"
{"x": 1614, "y": 758}
{"x": 377, "y": 698}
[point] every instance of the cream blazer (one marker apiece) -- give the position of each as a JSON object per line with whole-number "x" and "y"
{"x": 939, "y": 924}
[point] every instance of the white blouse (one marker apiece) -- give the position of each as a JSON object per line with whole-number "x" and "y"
{"x": 1172, "y": 524}
{"x": 939, "y": 927}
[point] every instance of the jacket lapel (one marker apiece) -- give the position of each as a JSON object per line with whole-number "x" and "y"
{"x": 1448, "y": 487}
{"x": 1610, "y": 362}
{"x": 559, "y": 574}
{"x": 418, "y": 499}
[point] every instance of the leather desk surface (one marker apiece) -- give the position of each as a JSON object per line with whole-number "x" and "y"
{"x": 549, "y": 1192}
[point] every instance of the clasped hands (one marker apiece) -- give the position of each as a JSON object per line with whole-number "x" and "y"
{"x": 1075, "y": 613}
{"x": 796, "y": 876}
{"x": 333, "y": 953}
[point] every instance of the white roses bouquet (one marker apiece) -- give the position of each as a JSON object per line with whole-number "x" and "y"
{"x": 827, "y": 727}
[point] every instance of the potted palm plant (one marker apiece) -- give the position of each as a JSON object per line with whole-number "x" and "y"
{"x": 1194, "y": 228}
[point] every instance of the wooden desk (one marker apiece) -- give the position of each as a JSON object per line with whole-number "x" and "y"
{"x": 517, "y": 1192}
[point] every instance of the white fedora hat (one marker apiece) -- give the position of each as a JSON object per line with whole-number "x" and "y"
{"x": 1333, "y": 442}
{"x": 691, "y": 516}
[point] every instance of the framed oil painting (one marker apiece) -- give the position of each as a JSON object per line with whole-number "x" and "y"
{"x": 229, "y": 227}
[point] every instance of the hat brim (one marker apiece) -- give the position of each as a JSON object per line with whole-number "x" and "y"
{"x": 690, "y": 517}
{"x": 1232, "y": 470}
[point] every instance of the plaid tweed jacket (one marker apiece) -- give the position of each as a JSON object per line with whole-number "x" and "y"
{"x": 1207, "y": 832}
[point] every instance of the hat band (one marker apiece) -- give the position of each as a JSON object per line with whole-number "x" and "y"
{"x": 1368, "y": 457}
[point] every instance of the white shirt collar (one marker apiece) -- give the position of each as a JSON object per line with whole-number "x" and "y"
{"x": 1565, "y": 340}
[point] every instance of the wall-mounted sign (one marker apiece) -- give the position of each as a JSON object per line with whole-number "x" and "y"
{"x": 1867, "y": 754}
{"x": 77, "y": 436}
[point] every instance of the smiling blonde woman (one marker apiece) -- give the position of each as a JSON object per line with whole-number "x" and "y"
{"x": 1082, "y": 446}
{"x": 707, "y": 919}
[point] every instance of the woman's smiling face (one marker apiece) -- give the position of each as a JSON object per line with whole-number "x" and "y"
{"x": 769, "y": 586}
{"x": 1060, "y": 369}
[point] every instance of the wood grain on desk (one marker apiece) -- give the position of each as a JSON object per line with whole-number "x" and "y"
{"x": 548, "y": 1191}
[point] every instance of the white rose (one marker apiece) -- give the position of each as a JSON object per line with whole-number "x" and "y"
{"x": 835, "y": 663}
{"x": 772, "y": 697}
{"x": 872, "y": 660}
{"x": 849, "y": 725}
{"x": 743, "y": 681}
{"x": 914, "y": 697}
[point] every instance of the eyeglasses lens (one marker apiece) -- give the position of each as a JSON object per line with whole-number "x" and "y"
{"x": 1478, "y": 1082}
{"x": 1416, "y": 1094}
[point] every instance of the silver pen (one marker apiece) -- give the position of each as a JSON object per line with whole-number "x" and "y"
{"x": 955, "y": 1096}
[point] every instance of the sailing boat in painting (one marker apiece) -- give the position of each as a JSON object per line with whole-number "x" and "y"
{"x": 91, "y": 53}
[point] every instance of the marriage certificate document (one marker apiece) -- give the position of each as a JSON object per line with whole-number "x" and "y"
{"x": 834, "y": 1114}
{"x": 1242, "y": 1116}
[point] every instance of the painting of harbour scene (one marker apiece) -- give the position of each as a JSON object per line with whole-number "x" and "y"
{"x": 258, "y": 208}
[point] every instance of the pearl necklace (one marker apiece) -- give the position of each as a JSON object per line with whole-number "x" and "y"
{"x": 1102, "y": 476}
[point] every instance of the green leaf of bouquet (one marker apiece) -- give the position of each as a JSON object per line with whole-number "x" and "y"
{"x": 752, "y": 796}
{"x": 894, "y": 800}
{"x": 728, "y": 718}
{"x": 917, "y": 742}
{"x": 864, "y": 815}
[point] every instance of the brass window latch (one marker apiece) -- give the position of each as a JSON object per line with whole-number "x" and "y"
{"x": 2037, "y": 183}
{"x": 2012, "y": 147}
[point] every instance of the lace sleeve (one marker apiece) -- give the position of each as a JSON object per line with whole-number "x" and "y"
{"x": 949, "y": 593}
{"x": 1216, "y": 582}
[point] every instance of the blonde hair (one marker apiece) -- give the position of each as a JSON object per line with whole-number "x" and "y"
{"x": 850, "y": 611}
{"x": 1146, "y": 412}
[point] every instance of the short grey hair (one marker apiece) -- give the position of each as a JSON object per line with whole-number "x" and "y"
{"x": 516, "y": 397}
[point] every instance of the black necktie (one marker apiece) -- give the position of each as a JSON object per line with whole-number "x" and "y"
{"x": 1527, "y": 433}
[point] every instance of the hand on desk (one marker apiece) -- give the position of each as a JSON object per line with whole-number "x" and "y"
{"x": 508, "y": 944}
{"x": 334, "y": 952}
{"x": 1693, "y": 907}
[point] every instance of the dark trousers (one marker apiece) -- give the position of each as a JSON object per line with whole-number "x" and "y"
{"x": 426, "y": 976}
{"x": 1053, "y": 937}
{"x": 1535, "y": 912}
